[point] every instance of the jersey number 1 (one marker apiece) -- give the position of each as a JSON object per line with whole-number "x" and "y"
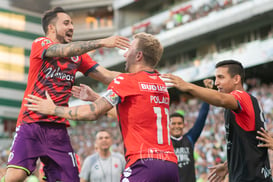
{"x": 157, "y": 111}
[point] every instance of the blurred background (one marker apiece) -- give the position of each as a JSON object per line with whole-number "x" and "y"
{"x": 196, "y": 34}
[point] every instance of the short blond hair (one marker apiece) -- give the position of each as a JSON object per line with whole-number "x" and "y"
{"x": 151, "y": 48}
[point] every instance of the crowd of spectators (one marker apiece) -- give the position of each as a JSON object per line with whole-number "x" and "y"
{"x": 195, "y": 59}
{"x": 179, "y": 16}
{"x": 183, "y": 14}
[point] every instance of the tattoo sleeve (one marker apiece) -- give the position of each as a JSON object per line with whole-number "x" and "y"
{"x": 100, "y": 107}
{"x": 72, "y": 49}
{"x": 84, "y": 112}
{"x": 59, "y": 111}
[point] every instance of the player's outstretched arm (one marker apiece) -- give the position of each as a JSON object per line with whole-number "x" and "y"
{"x": 84, "y": 112}
{"x": 86, "y": 93}
{"x": 266, "y": 138}
{"x": 81, "y": 47}
{"x": 103, "y": 75}
{"x": 210, "y": 96}
{"x": 199, "y": 124}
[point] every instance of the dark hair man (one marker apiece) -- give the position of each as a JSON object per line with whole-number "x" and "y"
{"x": 243, "y": 118}
{"x": 54, "y": 61}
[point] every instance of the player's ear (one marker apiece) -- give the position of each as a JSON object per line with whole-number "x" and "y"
{"x": 51, "y": 28}
{"x": 139, "y": 55}
{"x": 237, "y": 79}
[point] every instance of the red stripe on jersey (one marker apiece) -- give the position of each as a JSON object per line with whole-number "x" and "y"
{"x": 245, "y": 118}
{"x": 55, "y": 75}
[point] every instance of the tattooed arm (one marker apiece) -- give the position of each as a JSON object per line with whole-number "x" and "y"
{"x": 83, "y": 112}
{"x": 72, "y": 49}
{"x": 81, "y": 47}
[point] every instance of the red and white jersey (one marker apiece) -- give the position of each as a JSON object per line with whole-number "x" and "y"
{"x": 55, "y": 75}
{"x": 142, "y": 101}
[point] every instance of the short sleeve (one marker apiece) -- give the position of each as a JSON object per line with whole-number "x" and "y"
{"x": 123, "y": 86}
{"x": 238, "y": 96}
{"x": 245, "y": 115}
{"x": 87, "y": 64}
{"x": 112, "y": 97}
{"x": 39, "y": 47}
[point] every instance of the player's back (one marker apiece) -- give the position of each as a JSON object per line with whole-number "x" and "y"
{"x": 144, "y": 116}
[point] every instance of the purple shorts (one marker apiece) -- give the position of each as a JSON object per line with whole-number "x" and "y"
{"x": 151, "y": 170}
{"x": 49, "y": 142}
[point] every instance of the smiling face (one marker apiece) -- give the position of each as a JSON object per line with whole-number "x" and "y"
{"x": 176, "y": 126}
{"x": 63, "y": 28}
{"x": 223, "y": 80}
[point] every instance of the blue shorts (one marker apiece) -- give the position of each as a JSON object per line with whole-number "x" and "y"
{"x": 151, "y": 170}
{"x": 51, "y": 143}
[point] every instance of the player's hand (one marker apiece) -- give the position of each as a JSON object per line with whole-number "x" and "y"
{"x": 76, "y": 91}
{"x": 174, "y": 81}
{"x": 217, "y": 173}
{"x": 84, "y": 92}
{"x": 44, "y": 106}
{"x": 208, "y": 83}
{"x": 116, "y": 41}
{"x": 266, "y": 138}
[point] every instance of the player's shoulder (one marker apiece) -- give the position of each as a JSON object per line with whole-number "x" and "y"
{"x": 240, "y": 94}
{"x": 123, "y": 78}
{"x": 92, "y": 157}
{"x": 90, "y": 160}
{"x": 140, "y": 74}
{"x": 126, "y": 75}
{"x": 42, "y": 41}
{"x": 117, "y": 154}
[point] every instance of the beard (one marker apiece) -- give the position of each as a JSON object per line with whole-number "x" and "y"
{"x": 61, "y": 39}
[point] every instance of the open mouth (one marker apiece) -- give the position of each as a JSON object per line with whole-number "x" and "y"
{"x": 177, "y": 129}
{"x": 69, "y": 34}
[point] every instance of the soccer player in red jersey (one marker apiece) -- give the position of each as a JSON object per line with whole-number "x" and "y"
{"x": 142, "y": 101}
{"x": 54, "y": 60}
{"x": 243, "y": 118}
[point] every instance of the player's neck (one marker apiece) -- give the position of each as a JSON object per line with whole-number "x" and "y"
{"x": 53, "y": 38}
{"x": 139, "y": 68}
{"x": 239, "y": 87}
{"x": 104, "y": 154}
